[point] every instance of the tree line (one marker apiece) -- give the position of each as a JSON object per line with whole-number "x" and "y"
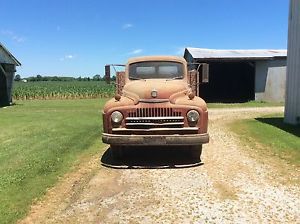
{"x": 59, "y": 78}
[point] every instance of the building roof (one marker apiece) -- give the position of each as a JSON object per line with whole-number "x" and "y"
{"x": 203, "y": 53}
{"x": 7, "y": 57}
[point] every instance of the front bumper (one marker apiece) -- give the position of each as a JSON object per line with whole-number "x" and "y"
{"x": 188, "y": 139}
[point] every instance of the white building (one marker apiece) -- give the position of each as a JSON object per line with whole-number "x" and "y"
{"x": 292, "y": 102}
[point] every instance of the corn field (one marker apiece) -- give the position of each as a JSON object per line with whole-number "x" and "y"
{"x": 62, "y": 90}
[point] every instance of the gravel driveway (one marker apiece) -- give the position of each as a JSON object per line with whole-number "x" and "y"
{"x": 232, "y": 186}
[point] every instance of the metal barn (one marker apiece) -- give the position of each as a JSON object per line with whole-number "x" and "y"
{"x": 241, "y": 75}
{"x": 8, "y": 65}
{"x": 292, "y": 102}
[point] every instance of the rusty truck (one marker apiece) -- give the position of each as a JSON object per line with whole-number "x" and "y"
{"x": 156, "y": 104}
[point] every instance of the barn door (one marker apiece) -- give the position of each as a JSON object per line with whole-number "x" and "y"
{"x": 120, "y": 82}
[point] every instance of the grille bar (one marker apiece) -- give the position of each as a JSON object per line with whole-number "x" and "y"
{"x": 153, "y": 118}
{"x": 156, "y": 124}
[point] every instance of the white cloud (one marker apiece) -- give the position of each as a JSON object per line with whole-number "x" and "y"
{"x": 67, "y": 57}
{"x": 127, "y": 26}
{"x": 18, "y": 39}
{"x": 136, "y": 51}
{"x": 13, "y": 36}
{"x": 70, "y": 56}
{"x": 6, "y": 32}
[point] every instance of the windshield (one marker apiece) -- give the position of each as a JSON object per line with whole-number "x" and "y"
{"x": 156, "y": 70}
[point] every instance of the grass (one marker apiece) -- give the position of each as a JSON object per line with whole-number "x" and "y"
{"x": 41, "y": 141}
{"x": 271, "y": 136}
{"x": 246, "y": 104}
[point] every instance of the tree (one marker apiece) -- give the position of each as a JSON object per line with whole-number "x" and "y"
{"x": 17, "y": 78}
{"x": 55, "y": 78}
{"x": 97, "y": 78}
{"x": 39, "y": 78}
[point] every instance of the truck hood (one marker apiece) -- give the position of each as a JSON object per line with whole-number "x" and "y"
{"x": 141, "y": 89}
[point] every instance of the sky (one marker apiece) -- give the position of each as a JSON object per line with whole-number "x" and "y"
{"x": 78, "y": 37}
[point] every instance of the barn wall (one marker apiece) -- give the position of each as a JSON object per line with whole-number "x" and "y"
{"x": 7, "y": 73}
{"x": 270, "y": 79}
{"x": 6, "y": 83}
{"x": 188, "y": 57}
{"x": 10, "y": 70}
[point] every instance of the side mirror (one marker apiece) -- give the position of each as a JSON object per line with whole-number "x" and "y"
{"x": 193, "y": 81}
{"x": 120, "y": 81}
{"x": 203, "y": 69}
{"x": 204, "y": 73}
{"x": 107, "y": 74}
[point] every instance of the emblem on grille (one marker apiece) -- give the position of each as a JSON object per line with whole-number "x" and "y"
{"x": 154, "y": 93}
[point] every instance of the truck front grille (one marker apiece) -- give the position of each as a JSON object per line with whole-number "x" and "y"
{"x": 147, "y": 118}
{"x": 154, "y": 112}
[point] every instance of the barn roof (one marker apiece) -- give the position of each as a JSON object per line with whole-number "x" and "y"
{"x": 203, "y": 53}
{"x": 7, "y": 57}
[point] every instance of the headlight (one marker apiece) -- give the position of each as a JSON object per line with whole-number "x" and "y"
{"x": 192, "y": 116}
{"x": 116, "y": 117}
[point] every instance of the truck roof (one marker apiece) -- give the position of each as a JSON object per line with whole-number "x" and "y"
{"x": 157, "y": 58}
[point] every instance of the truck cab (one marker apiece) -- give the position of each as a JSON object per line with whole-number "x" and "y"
{"x": 155, "y": 105}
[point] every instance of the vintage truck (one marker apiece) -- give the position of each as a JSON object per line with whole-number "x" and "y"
{"x": 155, "y": 105}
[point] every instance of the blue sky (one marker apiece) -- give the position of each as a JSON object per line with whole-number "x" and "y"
{"x": 77, "y": 38}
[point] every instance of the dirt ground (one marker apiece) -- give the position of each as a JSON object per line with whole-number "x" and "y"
{"x": 233, "y": 185}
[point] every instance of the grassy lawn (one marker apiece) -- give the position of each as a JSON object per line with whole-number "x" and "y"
{"x": 247, "y": 104}
{"x": 271, "y": 136}
{"x": 41, "y": 141}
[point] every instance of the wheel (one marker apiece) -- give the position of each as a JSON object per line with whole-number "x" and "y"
{"x": 196, "y": 151}
{"x": 116, "y": 151}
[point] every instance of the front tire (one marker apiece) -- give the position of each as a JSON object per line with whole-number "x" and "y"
{"x": 116, "y": 151}
{"x": 196, "y": 151}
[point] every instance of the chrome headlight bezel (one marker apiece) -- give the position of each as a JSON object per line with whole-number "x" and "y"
{"x": 116, "y": 117}
{"x": 193, "y": 116}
